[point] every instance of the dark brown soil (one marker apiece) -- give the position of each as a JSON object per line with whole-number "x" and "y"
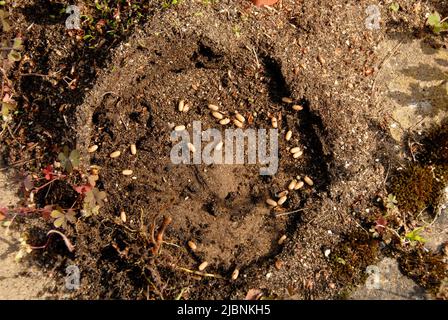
{"x": 244, "y": 59}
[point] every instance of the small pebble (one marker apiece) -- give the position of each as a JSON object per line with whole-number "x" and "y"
{"x": 203, "y": 265}
{"x": 115, "y": 154}
{"x": 308, "y": 181}
{"x": 224, "y": 121}
{"x": 127, "y": 172}
{"x": 213, "y": 107}
{"x": 288, "y": 135}
{"x": 217, "y": 115}
{"x": 179, "y": 128}
{"x": 321, "y": 60}
{"x": 274, "y": 122}
{"x": 327, "y": 253}
{"x": 271, "y": 202}
{"x": 123, "y": 216}
{"x": 278, "y": 264}
{"x": 92, "y": 148}
{"x": 282, "y": 239}
{"x": 235, "y": 274}
{"x": 287, "y": 100}
{"x": 133, "y": 149}
{"x": 192, "y": 245}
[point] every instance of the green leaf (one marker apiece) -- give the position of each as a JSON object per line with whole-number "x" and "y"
{"x": 99, "y": 196}
{"x": 71, "y": 216}
{"x": 17, "y": 45}
{"x": 444, "y": 26}
{"x": 60, "y": 222}
{"x": 69, "y": 162}
{"x": 74, "y": 158}
{"x": 4, "y": 20}
{"x": 434, "y": 19}
{"x": 7, "y": 108}
{"x": 391, "y": 201}
{"x": 414, "y": 235}
{"x": 56, "y": 214}
{"x": 93, "y": 201}
{"x": 14, "y": 56}
{"x": 394, "y": 7}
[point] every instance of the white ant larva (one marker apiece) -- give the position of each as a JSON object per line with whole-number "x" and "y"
{"x": 271, "y": 202}
{"x": 179, "y": 128}
{"x": 213, "y": 107}
{"x": 203, "y": 265}
{"x": 299, "y": 185}
{"x": 308, "y": 181}
{"x": 133, "y": 149}
{"x": 292, "y": 184}
{"x": 93, "y": 148}
{"x": 127, "y": 172}
{"x": 282, "y": 239}
{"x": 191, "y": 147}
{"x": 238, "y": 123}
{"x": 192, "y": 245}
{"x": 115, "y": 154}
{"x": 235, "y": 274}
{"x": 224, "y": 121}
{"x": 239, "y": 117}
{"x": 297, "y": 154}
{"x": 282, "y": 200}
{"x": 181, "y": 106}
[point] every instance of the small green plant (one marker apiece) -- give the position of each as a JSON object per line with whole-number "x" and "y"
{"x": 394, "y": 7}
{"x": 237, "y": 31}
{"x": 4, "y": 21}
{"x": 391, "y": 201}
{"x": 13, "y": 51}
{"x": 169, "y": 3}
{"x": 62, "y": 217}
{"x": 437, "y": 23}
{"x": 6, "y": 110}
{"x": 414, "y": 236}
{"x": 15, "y": 55}
{"x": 69, "y": 161}
{"x": 93, "y": 201}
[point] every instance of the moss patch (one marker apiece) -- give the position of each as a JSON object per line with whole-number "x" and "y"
{"x": 429, "y": 270}
{"x": 350, "y": 260}
{"x": 417, "y": 188}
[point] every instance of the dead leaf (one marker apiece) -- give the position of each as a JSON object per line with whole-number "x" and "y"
{"x": 253, "y": 294}
{"x": 260, "y": 3}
